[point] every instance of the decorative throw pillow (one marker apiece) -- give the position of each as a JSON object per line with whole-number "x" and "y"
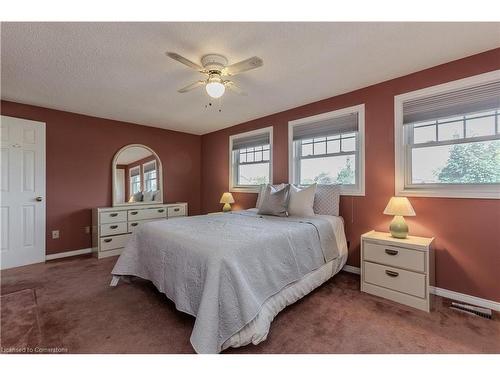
{"x": 275, "y": 202}
{"x": 263, "y": 189}
{"x": 326, "y": 200}
{"x": 148, "y": 196}
{"x": 301, "y": 200}
{"x": 137, "y": 197}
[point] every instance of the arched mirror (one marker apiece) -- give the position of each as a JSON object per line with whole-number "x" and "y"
{"x": 137, "y": 176}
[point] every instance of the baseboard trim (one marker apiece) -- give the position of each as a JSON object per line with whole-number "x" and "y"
{"x": 66, "y": 254}
{"x": 477, "y": 301}
{"x": 351, "y": 269}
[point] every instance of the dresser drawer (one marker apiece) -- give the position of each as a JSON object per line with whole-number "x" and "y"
{"x": 112, "y": 217}
{"x": 394, "y": 256}
{"x": 176, "y": 211}
{"x": 115, "y": 242}
{"x": 113, "y": 228}
{"x": 396, "y": 279}
{"x": 147, "y": 213}
{"x": 134, "y": 225}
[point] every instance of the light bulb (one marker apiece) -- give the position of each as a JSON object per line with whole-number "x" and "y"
{"x": 215, "y": 88}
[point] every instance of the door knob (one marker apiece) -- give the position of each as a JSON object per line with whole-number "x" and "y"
{"x": 39, "y": 199}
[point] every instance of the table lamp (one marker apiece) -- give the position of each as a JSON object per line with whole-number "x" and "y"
{"x": 399, "y": 207}
{"x": 227, "y": 199}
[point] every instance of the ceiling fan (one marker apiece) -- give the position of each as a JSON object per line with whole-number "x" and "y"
{"x": 216, "y": 68}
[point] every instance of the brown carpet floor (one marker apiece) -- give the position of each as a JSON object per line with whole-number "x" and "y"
{"x": 67, "y": 304}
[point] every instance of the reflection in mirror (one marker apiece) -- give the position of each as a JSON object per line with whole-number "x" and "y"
{"x": 137, "y": 176}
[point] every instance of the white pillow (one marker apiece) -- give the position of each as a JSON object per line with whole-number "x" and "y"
{"x": 301, "y": 200}
{"x": 148, "y": 196}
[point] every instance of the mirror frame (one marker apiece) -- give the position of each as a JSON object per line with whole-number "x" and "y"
{"x": 113, "y": 176}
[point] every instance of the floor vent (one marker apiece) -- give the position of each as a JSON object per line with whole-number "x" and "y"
{"x": 472, "y": 310}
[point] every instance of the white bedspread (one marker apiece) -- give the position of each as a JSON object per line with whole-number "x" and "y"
{"x": 222, "y": 268}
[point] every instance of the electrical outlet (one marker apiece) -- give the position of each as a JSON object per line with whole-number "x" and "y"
{"x": 87, "y": 230}
{"x": 55, "y": 234}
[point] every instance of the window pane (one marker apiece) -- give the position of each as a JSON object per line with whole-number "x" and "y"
{"x": 348, "y": 144}
{"x": 258, "y": 156}
{"x": 328, "y": 170}
{"x": 265, "y": 155}
{"x": 480, "y": 126}
{"x": 250, "y": 157}
{"x": 452, "y": 130}
{"x": 424, "y": 134}
{"x": 333, "y": 146}
{"x": 243, "y": 158}
{"x": 307, "y": 149}
{"x": 320, "y": 148}
{"x": 253, "y": 174}
{"x": 467, "y": 163}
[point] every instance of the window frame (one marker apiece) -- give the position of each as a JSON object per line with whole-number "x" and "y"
{"x": 130, "y": 179}
{"x": 150, "y": 179}
{"x": 233, "y": 166}
{"x": 403, "y": 186}
{"x": 357, "y": 189}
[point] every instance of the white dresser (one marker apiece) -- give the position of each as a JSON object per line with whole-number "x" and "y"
{"x": 398, "y": 269}
{"x": 112, "y": 226}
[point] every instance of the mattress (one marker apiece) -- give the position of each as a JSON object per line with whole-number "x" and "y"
{"x": 257, "y": 330}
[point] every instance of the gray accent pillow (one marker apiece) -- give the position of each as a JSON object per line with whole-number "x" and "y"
{"x": 137, "y": 197}
{"x": 263, "y": 189}
{"x": 275, "y": 201}
{"x": 326, "y": 200}
{"x": 148, "y": 196}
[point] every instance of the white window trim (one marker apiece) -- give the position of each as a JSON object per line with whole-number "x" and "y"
{"x": 249, "y": 189}
{"x": 435, "y": 190}
{"x": 358, "y": 190}
{"x": 144, "y": 173}
{"x": 130, "y": 178}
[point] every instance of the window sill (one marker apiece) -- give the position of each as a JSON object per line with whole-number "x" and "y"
{"x": 245, "y": 189}
{"x": 490, "y": 192}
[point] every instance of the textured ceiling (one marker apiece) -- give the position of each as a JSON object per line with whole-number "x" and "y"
{"x": 120, "y": 71}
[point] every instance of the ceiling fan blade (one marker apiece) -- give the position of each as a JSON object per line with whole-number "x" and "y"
{"x": 192, "y": 86}
{"x": 243, "y": 66}
{"x": 184, "y": 61}
{"x": 233, "y": 87}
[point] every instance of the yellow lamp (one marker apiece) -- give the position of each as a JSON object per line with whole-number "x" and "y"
{"x": 227, "y": 199}
{"x": 399, "y": 207}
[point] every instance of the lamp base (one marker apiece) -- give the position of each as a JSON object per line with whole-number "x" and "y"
{"x": 398, "y": 227}
{"x": 226, "y": 208}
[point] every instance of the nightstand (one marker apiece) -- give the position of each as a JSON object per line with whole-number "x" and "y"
{"x": 401, "y": 270}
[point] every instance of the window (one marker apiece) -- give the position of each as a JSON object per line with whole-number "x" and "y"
{"x": 135, "y": 179}
{"x": 329, "y": 149}
{"x": 150, "y": 176}
{"x": 448, "y": 139}
{"x": 250, "y": 160}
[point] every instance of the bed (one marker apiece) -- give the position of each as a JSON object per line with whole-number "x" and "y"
{"x": 234, "y": 272}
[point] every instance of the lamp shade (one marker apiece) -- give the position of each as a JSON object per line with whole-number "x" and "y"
{"x": 400, "y": 206}
{"x": 227, "y": 198}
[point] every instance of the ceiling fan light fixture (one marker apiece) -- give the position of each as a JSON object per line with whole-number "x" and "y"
{"x": 215, "y": 88}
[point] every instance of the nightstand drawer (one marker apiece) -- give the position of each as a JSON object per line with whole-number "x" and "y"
{"x": 395, "y": 256}
{"x": 396, "y": 279}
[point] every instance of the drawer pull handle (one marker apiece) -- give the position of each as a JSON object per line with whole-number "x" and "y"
{"x": 161, "y": 210}
{"x": 391, "y": 273}
{"x": 133, "y": 213}
{"x": 391, "y": 252}
{"x": 177, "y": 209}
{"x": 113, "y": 226}
{"x": 108, "y": 240}
{"x": 113, "y": 215}
{"x": 134, "y": 224}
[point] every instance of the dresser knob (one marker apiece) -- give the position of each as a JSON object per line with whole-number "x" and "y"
{"x": 133, "y": 213}
{"x": 113, "y": 214}
{"x": 391, "y": 252}
{"x": 113, "y": 226}
{"x": 134, "y": 224}
{"x": 108, "y": 240}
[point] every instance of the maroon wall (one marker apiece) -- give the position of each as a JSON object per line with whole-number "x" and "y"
{"x": 466, "y": 230}
{"x": 80, "y": 150}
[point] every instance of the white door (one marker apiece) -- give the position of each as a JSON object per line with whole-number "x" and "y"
{"x": 22, "y": 199}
